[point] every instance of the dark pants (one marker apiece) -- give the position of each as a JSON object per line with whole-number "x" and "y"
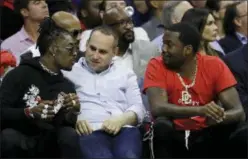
{"x": 63, "y": 142}
{"x": 218, "y": 141}
{"x": 126, "y": 144}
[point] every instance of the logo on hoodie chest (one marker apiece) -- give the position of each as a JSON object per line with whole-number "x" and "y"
{"x": 32, "y": 97}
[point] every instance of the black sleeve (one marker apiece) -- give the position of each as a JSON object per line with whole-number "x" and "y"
{"x": 10, "y": 94}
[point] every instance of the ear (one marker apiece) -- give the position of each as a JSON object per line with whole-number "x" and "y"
{"x": 237, "y": 22}
{"x": 101, "y": 14}
{"x": 187, "y": 50}
{"x": 154, "y": 3}
{"x": 84, "y": 13}
{"x": 24, "y": 12}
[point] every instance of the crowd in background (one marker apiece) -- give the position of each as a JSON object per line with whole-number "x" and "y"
{"x": 109, "y": 66}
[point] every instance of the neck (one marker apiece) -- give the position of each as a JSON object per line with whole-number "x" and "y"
{"x": 49, "y": 62}
{"x": 242, "y": 31}
{"x": 31, "y": 28}
{"x": 202, "y": 48}
{"x": 188, "y": 69}
{"x": 123, "y": 46}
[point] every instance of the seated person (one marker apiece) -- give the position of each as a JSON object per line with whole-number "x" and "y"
{"x": 111, "y": 104}
{"x": 38, "y": 105}
{"x": 237, "y": 62}
{"x": 182, "y": 87}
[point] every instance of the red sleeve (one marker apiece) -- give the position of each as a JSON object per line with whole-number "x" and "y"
{"x": 154, "y": 75}
{"x": 224, "y": 77}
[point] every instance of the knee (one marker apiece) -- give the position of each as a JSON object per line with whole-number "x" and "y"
{"x": 68, "y": 136}
{"x": 9, "y": 138}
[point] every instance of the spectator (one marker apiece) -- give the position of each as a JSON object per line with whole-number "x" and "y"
{"x": 38, "y": 105}
{"x": 33, "y": 12}
{"x": 237, "y": 62}
{"x": 151, "y": 26}
{"x": 214, "y": 7}
{"x": 173, "y": 12}
{"x": 194, "y": 125}
{"x": 110, "y": 99}
{"x": 204, "y": 21}
{"x": 131, "y": 54}
{"x": 89, "y": 13}
{"x": 235, "y": 27}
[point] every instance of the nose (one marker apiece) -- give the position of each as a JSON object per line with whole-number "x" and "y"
{"x": 164, "y": 48}
{"x": 95, "y": 56}
{"x": 129, "y": 25}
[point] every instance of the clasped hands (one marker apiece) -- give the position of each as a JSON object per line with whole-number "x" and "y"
{"x": 111, "y": 126}
{"x": 47, "y": 109}
{"x": 214, "y": 113}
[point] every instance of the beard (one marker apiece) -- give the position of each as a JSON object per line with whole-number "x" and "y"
{"x": 174, "y": 64}
{"x": 128, "y": 36}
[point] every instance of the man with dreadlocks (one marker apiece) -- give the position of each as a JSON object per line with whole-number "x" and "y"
{"x": 39, "y": 106}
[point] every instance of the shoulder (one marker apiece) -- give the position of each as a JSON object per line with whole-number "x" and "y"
{"x": 10, "y": 41}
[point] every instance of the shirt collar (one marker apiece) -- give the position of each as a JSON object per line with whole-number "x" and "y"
{"x": 24, "y": 35}
{"x": 242, "y": 38}
{"x": 84, "y": 64}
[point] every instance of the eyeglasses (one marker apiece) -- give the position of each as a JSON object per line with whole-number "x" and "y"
{"x": 75, "y": 33}
{"x": 123, "y": 23}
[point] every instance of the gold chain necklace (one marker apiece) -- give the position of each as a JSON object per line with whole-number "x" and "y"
{"x": 48, "y": 70}
{"x": 185, "y": 95}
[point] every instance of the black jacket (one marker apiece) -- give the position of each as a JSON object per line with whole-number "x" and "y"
{"x": 17, "y": 83}
{"x": 237, "y": 61}
{"x": 230, "y": 43}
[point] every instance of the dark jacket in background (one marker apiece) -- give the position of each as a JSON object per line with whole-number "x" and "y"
{"x": 17, "y": 83}
{"x": 230, "y": 43}
{"x": 237, "y": 61}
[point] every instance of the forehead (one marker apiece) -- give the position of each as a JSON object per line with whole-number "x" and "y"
{"x": 225, "y": 3}
{"x": 210, "y": 18}
{"x": 111, "y": 2}
{"x": 101, "y": 41}
{"x": 242, "y": 7}
{"x": 66, "y": 39}
{"x": 171, "y": 36}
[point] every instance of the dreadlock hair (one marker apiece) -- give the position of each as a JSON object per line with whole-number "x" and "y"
{"x": 49, "y": 31}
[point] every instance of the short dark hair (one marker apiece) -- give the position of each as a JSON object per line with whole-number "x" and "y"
{"x": 49, "y": 31}
{"x": 59, "y": 5}
{"x": 230, "y": 14}
{"x": 188, "y": 34}
{"x": 20, "y": 4}
{"x": 213, "y": 5}
{"x": 106, "y": 30}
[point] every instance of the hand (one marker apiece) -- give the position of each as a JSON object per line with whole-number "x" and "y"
{"x": 112, "y": 125}
{"x": 211, "y": 122}
{"x": 44, "y": 110}
{"x": 214, "y": 112}
{"x": 71, "y": 101}
{"x": 83, "y": 128}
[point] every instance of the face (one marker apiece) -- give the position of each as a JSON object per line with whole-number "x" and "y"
{"x": 210, "y": 30}
{"x": 112, "y": 4}
{"x": 37, "y": 10}
{"x": 93, "y": 16}
{"x": 123, "y": 25}
{"x": 173, "y": 51}
{"x": 242, "y": 16}
{"x": 65, "y": 56}
{"x": 100, "y": 49}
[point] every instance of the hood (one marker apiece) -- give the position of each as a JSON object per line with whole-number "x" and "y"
{"x": 35, "y": 64}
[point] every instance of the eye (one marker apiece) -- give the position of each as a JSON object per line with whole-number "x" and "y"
{"x": 92, "y": 48}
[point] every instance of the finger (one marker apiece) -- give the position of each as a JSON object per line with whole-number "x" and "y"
{"x": 217, "y": 110}
{"x": 116, "y": 131}
{"x": 84, "y": 128}
{"x": 88, "y": 127}
{"x": 213, "y": 115}
{"x": 78, "y": 132}
{"x": 48, "y": 102}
